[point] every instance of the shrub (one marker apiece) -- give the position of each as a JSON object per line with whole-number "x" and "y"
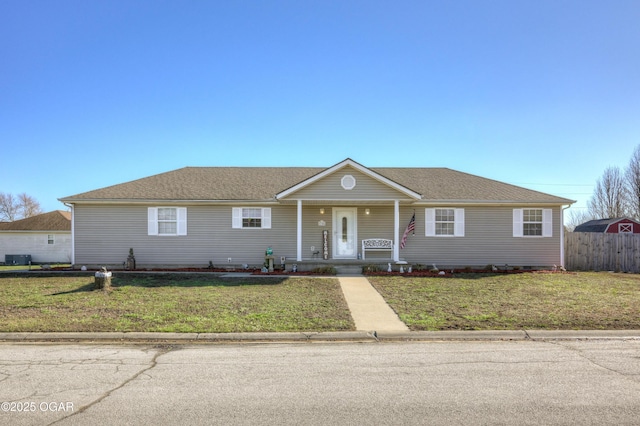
{"x": 325, "y": 270}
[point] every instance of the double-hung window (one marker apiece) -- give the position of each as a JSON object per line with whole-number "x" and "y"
{"x": 532, "y": 223}
{"x": 50, "y": 239}
{"x": 444, "y": 222}
{"x": 251, "y": 217}
{"x": 167, "y": 221}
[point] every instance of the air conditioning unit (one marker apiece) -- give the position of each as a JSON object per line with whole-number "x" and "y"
{"x": 17, "y": 259}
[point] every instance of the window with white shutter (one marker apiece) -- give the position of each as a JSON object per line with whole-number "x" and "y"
{"x": 251, "y": 217}
{"x": 532, "y": 223}
{"x": 167, "y": 221}
{"x": 444, "y": 222}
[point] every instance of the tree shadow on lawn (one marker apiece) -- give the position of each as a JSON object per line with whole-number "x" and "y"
{"x": 85, "y": 288}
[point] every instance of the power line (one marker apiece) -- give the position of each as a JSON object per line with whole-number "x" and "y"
{"x": 555, "y": 184}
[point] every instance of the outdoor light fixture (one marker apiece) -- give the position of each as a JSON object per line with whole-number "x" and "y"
{"x": 321, "y": 211}
{"x": 367, "y": 211}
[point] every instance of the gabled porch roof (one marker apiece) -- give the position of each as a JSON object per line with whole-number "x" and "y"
{"x": 403, "y": 191}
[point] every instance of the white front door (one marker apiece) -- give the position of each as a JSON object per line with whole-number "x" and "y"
{"x": 345, "y": 233}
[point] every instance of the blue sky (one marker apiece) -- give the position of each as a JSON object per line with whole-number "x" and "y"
{"x": 542, "y": 94}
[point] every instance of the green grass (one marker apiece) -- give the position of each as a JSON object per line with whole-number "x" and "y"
{"x": 32, "y": 267}
{"x": 515, "y": 301}
{"x": 172, "y": 303}
{"x": 207, "y": 303}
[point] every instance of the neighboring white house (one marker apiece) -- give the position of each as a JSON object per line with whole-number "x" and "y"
{"x": 45, "y": 237}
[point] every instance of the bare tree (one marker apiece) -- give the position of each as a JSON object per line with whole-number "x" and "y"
{"x": 575, "y": 218}
{"x": 28, "y": 205}
{"x": 632, "y": 177}
{"x": 20, "y": 207}
{"x": 609, "y": 198}
{"x": 8, "y": 207}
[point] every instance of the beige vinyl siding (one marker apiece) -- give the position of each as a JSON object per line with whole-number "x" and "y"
{"x": 104, "y": 235}
{"x": 378, "y": 224}
{"x": 488, "y": 240}
{"x": 312, "y": 231}
{"x": 330, "y": 188}
{"x": 248, "y": 245}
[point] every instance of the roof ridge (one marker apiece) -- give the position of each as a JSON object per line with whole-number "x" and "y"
{"x": 216, "y": 183}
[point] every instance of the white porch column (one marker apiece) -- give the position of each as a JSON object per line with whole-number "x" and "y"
{"x": 299, "y": 233}
{"x": 396, "y": 230}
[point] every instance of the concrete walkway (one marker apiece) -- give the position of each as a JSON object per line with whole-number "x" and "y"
{"x": 369, "y": 310}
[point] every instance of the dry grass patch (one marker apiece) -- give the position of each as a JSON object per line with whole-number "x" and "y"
{"x": 173, "y": 303}
{"x": 515, "y": 301}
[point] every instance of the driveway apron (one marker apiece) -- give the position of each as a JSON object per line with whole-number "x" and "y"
{"x": 368, "y": 309}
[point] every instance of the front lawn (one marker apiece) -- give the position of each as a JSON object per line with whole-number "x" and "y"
{"x": 515, "y": 301}
{"x": 172, "y": 303}
{"x": 208, "y": 303}
{"x": 37, "y": 267}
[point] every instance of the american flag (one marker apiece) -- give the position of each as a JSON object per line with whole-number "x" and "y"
{"x": 411, "y": 227}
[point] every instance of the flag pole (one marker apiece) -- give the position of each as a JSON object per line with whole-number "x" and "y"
{"x": 414, "y": 228}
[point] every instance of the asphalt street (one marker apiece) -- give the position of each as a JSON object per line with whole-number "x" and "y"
{"x": 579, "y": 382}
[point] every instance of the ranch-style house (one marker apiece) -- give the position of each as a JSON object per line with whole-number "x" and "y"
{"x": 308, "y": 216}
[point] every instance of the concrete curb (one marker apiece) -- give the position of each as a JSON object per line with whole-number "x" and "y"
{"x": 143, "y": 337}
{"x": 306, "y": 337}
{"x": 453, "y": 335}
{"x": 582, "y": 334}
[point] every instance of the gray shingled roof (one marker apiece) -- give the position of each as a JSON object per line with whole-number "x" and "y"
{"x": 598, "y": 225}
{"x": 443, "y": 184}
{"x": 56, "y": 220}
{"x": 263, "y": 183}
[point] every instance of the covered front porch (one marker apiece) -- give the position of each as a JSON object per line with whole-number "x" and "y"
{"x": 347, "y": 266}
{"x": 343, "y": 205}
{"x": 351, "y": 232}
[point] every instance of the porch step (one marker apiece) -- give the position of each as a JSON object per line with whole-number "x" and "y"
{"x": 348, "y": 269}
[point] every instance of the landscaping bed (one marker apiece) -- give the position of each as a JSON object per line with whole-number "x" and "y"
{"x": 205, "y": 270}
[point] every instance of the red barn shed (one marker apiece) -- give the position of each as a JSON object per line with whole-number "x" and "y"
{"x": 620, "y": 225}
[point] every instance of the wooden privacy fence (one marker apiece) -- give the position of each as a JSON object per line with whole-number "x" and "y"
{"x": 592, "y": 251}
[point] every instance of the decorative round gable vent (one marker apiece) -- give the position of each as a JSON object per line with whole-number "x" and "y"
{"x": 348, "y": 182}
